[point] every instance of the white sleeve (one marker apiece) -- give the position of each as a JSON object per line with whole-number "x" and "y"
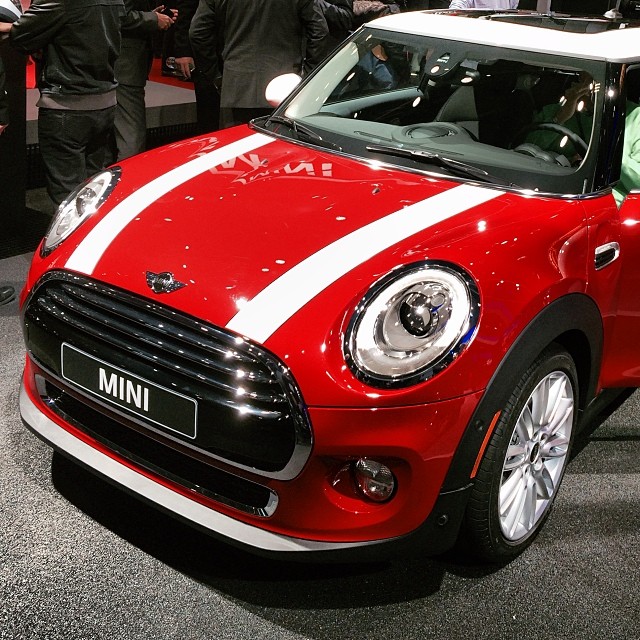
{"x": 460, "y": 4}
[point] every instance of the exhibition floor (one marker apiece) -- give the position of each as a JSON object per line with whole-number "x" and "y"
{"x": 80, "y": 559}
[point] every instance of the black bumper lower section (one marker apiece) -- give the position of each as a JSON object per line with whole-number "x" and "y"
{"x": 438, "y": 534}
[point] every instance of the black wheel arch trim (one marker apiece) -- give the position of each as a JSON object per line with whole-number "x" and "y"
{"x": 574, "y": 322}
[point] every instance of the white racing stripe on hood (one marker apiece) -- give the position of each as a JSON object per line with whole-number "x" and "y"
{"x": 259, "y": 318}
{"x": 91, "y": 249}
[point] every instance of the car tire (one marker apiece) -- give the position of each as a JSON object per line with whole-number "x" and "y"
{"x": 524, "y": 462}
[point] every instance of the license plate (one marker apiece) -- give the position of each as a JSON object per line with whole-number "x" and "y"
{"x": 142, "y": 398}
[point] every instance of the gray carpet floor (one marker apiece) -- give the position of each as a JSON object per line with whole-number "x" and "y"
{"x": 81, "y": 560}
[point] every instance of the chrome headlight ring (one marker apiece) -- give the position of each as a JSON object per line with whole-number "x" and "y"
{"x": 78, "y": 206}
{"x": 411, "y": 324}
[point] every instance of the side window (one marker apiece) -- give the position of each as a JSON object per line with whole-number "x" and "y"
{"x": 630, "y": 167}
{"x": 632, "y": 84}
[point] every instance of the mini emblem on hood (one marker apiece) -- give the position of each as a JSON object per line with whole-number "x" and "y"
{"x": 163, "y": 282}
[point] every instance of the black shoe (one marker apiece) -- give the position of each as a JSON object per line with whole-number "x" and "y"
{"x": 7, "y": 295}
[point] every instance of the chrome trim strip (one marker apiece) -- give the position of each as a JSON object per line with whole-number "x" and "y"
{"x": 160, "y": 495}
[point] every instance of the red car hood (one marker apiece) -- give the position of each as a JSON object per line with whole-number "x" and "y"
{"x": 254, "y": 226}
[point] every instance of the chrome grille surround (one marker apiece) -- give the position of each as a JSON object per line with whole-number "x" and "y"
{"x": 266, "y": 431}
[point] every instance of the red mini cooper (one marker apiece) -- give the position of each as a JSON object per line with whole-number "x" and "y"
{"x": 372, "y": 320}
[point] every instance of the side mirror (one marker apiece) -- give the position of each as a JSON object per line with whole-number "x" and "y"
{"x": 280, "y": 87}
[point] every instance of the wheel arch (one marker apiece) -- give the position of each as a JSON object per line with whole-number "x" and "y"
{"x": 574, "y": 322}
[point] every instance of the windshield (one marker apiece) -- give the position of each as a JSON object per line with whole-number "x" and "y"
{"x": 516, "y": 117}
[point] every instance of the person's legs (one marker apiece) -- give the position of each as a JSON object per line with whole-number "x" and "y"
{"x": 130, "y": 123}
{"x": 73, "y": 145}
{"x": 97, "y": 152}
{"x": 61, "y": 137}
{"x": 207, "y": 104}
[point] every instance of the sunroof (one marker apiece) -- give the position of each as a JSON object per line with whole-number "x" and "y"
{"x": 560, "y": 22}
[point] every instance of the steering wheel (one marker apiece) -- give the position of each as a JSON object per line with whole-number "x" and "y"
{"x": 579, "y": 144}
{"x": 530, "y": 149}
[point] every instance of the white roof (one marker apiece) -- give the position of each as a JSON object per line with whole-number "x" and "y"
{"x": 614, "y": 45}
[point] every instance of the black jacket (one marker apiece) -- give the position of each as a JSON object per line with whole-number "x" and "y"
{"x": 257, "y": 40}
{"x": 181, "y": 44}
{"x": 136, "y": 53}
{"x": 79, "y": 41}
{"x": 339, "y": 15}
{"x": 4, "y": 101}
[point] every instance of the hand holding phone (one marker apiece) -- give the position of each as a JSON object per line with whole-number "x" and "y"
{"x": 166, "y": 17}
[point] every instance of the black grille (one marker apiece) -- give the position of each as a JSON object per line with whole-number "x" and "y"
{"x": 250, "y": 412}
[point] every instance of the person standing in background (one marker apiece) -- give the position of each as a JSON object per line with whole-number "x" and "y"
{"x": 7, "y": 292}
{"x": 4, "y": 100}
{"x": 79, "y": 41}
{"x": 207, "y": 96}
{"x": 256, "y": 42}
{"x": 132, "y": 69}
{"x": 483, "y": 4}
{"x": 339, "y": 17}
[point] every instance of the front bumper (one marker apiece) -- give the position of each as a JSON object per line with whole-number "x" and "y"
{"x": 151, "y": 490}
{"x": 317, "y": 512}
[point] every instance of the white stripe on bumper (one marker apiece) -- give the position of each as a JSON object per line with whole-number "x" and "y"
{"x": 160, "y": 495}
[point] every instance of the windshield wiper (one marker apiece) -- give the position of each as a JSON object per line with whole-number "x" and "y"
{"x": 454, "y": 166}
{"x": 303, "y": 133}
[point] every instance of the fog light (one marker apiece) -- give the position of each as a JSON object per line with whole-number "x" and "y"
{"x": 374, "y": 479}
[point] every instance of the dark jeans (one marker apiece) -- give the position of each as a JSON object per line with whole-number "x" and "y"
{"x": 74, "y": 145}
{"x": 207, "y": 103}
{"x": 130, "y": 123}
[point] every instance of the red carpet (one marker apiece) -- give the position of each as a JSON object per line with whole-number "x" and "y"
{"x": 31, "y": 74}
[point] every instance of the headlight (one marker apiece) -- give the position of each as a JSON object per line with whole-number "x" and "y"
{"x": 81, "y": 204}
{"x": 411, "y": 324}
